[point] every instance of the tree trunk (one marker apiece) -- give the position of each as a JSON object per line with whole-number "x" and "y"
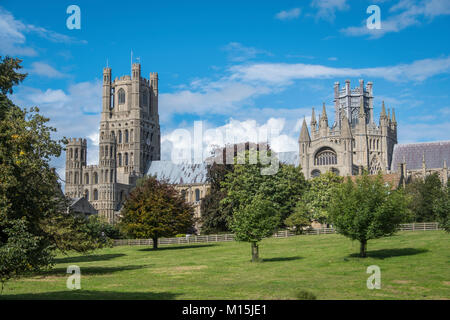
{"x": 363, "y": 247}
{"x": 255, "y": 252}
{"x": 155, "y": 243}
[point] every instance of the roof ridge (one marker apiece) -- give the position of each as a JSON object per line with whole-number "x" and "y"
{"x": 419, "y": 143}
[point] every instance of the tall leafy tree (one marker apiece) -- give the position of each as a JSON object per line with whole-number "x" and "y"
{"x": 33, "y": 210}
{"x": 214, "y": 217}
{"x": 283, "y": 189}
{"x": 318, "y": 196}
{"x": 424, "y": 193}
{"x": 441, "y": 209}
{"x": 367, "y": 209}
{"x": 155, "y": 209}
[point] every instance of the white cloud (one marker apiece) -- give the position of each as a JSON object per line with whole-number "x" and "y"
{"x": 284, "y": 73}
{"x": 73, "y": 112}
{"x": 406, "y": 13}
{"x": 238, "y": 52}
{"x": 178, "y": 144}
{"x": 234, "y": 93}
{"x": 44, "y": 69}
{"x": 217, "y": 97}
{"x": 326, "y": 9}
{"x": 13, "y": 39}
{"x": 288, "y": 15}
{"x": 418, "y": 132}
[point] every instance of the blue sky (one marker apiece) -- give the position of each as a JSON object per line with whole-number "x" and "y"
{"x": 242, "y": 65}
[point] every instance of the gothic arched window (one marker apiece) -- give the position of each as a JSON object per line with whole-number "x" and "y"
{"x": 86, "y": 194}
{"x": 325, "y": 157}
{"x": 120, "y": 136}
{"x": 120, "y": 159}
{"x": 126, "y": 158}
{"x": 86, "y": 178}
{"x": 95, "y": 194}
{"x": 335, "y": 171}
{"x": 126, "y": 136}
{"x": 95, "y": 178}
{"x": 121, "y": 94}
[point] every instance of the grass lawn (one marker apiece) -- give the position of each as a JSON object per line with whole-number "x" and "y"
{"x": 414, "y": 265}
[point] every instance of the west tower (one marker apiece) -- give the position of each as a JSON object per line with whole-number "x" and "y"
{"x": 129, "y": 139}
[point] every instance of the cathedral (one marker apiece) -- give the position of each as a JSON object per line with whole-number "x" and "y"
{"x": 130, "y": 143}
{"x": 354, "y": 142}
{"x": 129, "y": 140}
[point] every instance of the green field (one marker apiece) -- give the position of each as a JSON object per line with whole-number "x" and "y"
{"x": 414, "y": 265}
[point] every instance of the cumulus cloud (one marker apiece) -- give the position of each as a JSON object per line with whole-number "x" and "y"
{"x": 288, "y": 15}
{"x": 180, "y": 144}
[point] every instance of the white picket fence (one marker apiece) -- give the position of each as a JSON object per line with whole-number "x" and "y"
{"x": 424, "y": 226}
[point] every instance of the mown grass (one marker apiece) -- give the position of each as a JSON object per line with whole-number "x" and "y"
{"x": 414, "y": 265}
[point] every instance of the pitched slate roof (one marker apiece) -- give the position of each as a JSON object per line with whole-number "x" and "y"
{"x": 188, "y": 173}
{"x": 82, "y": 205}
{"x": 435, "y": 154}
{"x": 183, "y": 173}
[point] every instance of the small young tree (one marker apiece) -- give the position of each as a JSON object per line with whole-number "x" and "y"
{"x": 254, "y": 222}
{"x": 155, "y": 209}
{"x": 299, "y": 219}
{"x": 367, "y": 209}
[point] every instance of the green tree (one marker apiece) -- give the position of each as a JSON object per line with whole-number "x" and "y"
{"x": 319, "y": 193}
{"x": 441, "y": 209}
{"x": 33, "y": 210}
{"x": 283, "y": 189}
{"x": 423, "y": 194}
{"x": 214, "y": 217}
{"x": 255, "y": 221}
{"x": 367, "y": 209}
{"x": 155, "y": 209}
{"x": 300, "y": 218}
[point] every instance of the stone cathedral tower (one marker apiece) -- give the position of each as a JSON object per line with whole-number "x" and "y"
{"x": 129, "y": 140}
{"x": 354, "y": 142}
